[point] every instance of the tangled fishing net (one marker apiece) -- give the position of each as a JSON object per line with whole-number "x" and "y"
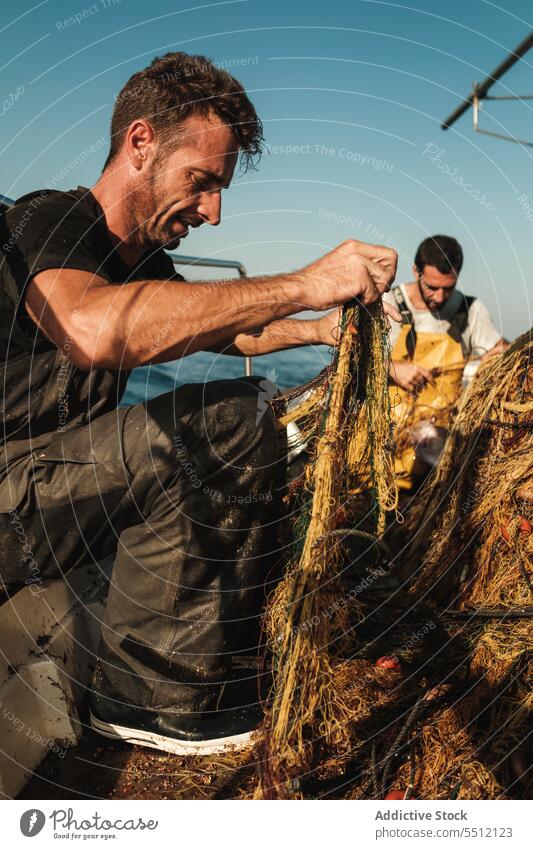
{"x": 471, "y": 535}
{"x": 400, "y": 650}
{"x": 405, "y": 675}
{"x": 310, "y": 615}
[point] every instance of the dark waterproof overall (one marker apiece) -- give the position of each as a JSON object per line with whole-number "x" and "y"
{"x": 184, "y": 487}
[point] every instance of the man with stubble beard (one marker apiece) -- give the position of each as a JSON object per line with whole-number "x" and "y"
{"x": 184, "y": 488}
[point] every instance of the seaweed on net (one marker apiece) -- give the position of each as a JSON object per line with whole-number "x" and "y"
{"x": 477, "y": 559}
{"x": 452, "y": 718}
{"x": 306, "y": 705}
{"x": 486, "y": 459}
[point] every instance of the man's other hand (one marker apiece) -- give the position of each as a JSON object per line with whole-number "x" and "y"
{"x": 409, "y": 376}
{"x": 328, "y": 330}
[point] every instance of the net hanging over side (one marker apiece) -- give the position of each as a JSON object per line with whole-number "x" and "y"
{"x": 347, "y": 420}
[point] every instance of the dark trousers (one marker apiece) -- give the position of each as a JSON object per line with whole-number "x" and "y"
{"x": 186, "y": 489}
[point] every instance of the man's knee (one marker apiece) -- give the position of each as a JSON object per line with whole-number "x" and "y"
{"x": 244, "y": 416}
{"x": 230, "y": 418}
{"x": 256, "y": 402}
{"x": 253, "y": 412}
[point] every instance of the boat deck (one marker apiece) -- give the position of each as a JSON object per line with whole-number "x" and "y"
{"x": 95, "y": 769}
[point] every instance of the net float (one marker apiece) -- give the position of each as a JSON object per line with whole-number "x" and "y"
{"x": 389, "y": 661}
{"x": 525, "y": 526}
{"x": 504, "y": 531}
{"x": 395, "y": 794}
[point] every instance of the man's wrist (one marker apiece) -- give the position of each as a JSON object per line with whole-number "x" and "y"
{"x": 306, "y": 331}
{"x": 295, "y": 290}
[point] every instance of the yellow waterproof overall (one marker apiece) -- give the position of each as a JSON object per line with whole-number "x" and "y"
{"x": 443, "y": 354}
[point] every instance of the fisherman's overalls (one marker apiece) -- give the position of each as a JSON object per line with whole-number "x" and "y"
{"x": 443, "y": 354}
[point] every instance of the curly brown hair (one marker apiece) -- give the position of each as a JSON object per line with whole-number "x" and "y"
{"x": 177, "y": 85}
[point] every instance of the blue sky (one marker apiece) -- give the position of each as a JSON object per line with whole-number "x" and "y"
{"x": 351, "y": 94}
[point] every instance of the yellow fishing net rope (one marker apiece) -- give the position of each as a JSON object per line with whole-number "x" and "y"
{"x": 348, "y": 417}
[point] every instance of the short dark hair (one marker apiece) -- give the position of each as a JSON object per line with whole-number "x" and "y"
{"x": 177, "y": 85}
{"x": 444, "y": 252}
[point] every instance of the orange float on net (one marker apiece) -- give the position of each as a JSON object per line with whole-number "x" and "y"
{"x": 396, "y": 794}
{"x": 525, "y": 526}
{"x": 389, "y": 661}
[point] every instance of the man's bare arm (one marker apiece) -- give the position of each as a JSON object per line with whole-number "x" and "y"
{"x": 499, "y": 348}
{"x": 283, "y": 334}
{"x": 129, "y": 325}
{"x": 154, "y": 321}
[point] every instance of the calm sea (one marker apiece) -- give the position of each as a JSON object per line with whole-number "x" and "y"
{"x": 284, "y": 368}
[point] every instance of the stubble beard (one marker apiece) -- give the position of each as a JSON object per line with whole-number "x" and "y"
{"x": 143, "y": 203}
{"x": 431, "y": 307}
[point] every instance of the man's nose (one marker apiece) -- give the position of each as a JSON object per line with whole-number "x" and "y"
{"x": 210, "y": 207}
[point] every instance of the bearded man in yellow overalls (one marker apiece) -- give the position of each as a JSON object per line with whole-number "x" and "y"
{"x": 442, "y": 329}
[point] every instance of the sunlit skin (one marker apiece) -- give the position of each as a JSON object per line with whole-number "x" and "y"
{"x": 151, "y": 193}
{"x": 170, "y": 188}
{"x": 431, "y": 290}
{"x": 181, "y": 188}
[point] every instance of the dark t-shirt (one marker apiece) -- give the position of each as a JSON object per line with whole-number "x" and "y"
{"x": 43, "y": 392}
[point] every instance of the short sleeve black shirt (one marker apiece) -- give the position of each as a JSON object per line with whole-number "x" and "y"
{"x": 42, "y": 390}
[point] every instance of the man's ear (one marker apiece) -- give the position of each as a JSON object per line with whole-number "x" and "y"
{"x": 139, "y": 143}
{"x": 415, "y": 271}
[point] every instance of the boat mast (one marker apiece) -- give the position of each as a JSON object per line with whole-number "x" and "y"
{"x": 480, "y": 90}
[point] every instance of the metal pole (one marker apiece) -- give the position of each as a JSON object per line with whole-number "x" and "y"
{"x": 181, "y": 259}
{"x": 481, "y": 90}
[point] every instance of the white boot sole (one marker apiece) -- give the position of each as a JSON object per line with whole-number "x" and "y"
{"x": 185, "y": 748}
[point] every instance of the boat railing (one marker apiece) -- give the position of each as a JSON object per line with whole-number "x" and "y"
{"x": 210, "y": 262}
